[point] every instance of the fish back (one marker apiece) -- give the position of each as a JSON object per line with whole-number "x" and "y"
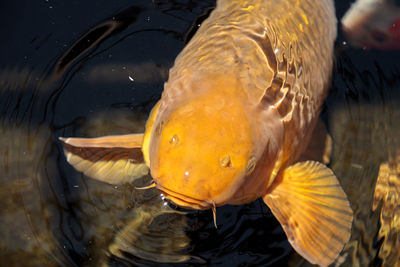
{"x": 281, "y": 51}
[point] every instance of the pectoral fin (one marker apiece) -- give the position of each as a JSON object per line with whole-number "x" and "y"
{"x": 313, "y": 210}
{"x": 111, "y": 159}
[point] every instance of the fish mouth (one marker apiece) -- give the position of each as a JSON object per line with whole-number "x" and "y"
{"x": 183, "y": 200}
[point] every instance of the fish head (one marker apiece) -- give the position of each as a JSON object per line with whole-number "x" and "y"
{"x": 204, "y": 147}
{"x": 373, "y": 24}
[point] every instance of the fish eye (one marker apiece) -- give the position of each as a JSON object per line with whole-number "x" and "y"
{"x": 174, "y": 140}
{"x": 251, "y": 164}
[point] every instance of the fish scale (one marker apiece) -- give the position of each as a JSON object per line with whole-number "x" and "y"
{"x": 264, "y": 55}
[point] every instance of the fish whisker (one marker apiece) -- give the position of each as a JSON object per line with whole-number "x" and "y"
{"x": 146, "y": 187}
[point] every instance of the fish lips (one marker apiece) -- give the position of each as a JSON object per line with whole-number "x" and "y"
{"x": 184, "y": 201}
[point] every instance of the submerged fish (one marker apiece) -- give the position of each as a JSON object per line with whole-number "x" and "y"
{"x": 373, "y": 24}
{"x": 238, "y": 109}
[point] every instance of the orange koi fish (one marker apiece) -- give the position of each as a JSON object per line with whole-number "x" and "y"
{"x": 238, "y": 109}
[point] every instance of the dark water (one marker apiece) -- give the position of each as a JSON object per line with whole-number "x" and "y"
{"x": 75, "y": 68}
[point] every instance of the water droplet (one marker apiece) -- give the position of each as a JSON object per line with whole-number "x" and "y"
{"x": 276, "y": 50}
{"x": 225, "y": 162}
{"x": 186, "y": 173}
{"x": 174, "y": 140}
{"x": 251, "y": 164}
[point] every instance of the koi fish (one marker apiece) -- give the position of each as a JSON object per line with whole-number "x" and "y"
{"x": 373, "y": 24}
{"x": 238, "y": 109}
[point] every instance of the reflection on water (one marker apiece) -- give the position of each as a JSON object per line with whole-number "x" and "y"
{"x": 102, "y": 77}
{"x": 147, "y": 72}
{"x": 50, "y": 214}
{"x": 364, "y": 117}
{"x": 22, "y": 229}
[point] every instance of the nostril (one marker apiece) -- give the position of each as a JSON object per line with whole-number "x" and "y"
{"x": 225, "y": 162}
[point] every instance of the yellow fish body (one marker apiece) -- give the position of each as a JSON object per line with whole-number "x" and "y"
{"x": 238, "y": 109}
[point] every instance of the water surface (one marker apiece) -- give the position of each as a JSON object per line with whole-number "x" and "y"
{"x": 91, "y": 69}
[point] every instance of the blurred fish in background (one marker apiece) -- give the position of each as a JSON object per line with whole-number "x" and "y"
{"x": 373, "y": 24}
